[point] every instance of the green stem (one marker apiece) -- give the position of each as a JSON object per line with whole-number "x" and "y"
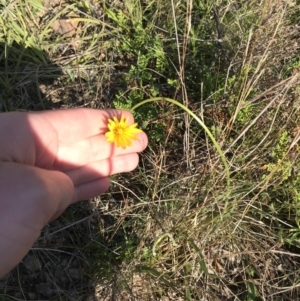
{"x": 212, "y": 138}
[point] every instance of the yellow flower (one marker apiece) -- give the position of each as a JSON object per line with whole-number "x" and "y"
{"x": 120, "y": 132}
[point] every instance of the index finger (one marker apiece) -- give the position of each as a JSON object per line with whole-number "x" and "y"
{"x": 73, "y": 125}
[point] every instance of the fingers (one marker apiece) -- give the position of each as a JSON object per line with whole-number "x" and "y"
{"x": 61, "y": 139}
{"x": 30, "y": 197}
{"x": 103, "y": 168}
{"x": 91, "y": 189}
{"x": 74, "y": 125}
{"x": 92, "y": 179}
{"x": 94, "y": 149}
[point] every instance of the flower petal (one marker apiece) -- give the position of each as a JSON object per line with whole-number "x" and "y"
{"x": 120, "y": 132}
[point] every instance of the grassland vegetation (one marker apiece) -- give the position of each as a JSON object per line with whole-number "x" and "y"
{"x": 169, "y": 230}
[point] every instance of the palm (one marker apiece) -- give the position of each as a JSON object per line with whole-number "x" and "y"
{"x": 47, "y": 161}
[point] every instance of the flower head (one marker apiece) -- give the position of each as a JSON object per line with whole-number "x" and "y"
{"x": 120, "y": 132}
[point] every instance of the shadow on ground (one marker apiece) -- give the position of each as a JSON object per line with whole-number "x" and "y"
{"x": 25, "y": 74}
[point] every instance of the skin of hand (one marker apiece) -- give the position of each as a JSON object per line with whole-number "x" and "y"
{"x": 49, "y": 160}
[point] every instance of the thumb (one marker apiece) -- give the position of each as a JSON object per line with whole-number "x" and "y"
{"x": 29, "y": 198}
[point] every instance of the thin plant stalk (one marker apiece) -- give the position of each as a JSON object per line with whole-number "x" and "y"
{"x": 201, "y": 123}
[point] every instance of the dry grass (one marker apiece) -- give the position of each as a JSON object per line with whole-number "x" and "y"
{"x": 169, "y": 231}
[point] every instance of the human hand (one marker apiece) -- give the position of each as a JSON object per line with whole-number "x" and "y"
{"x": 49, "y": 160}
